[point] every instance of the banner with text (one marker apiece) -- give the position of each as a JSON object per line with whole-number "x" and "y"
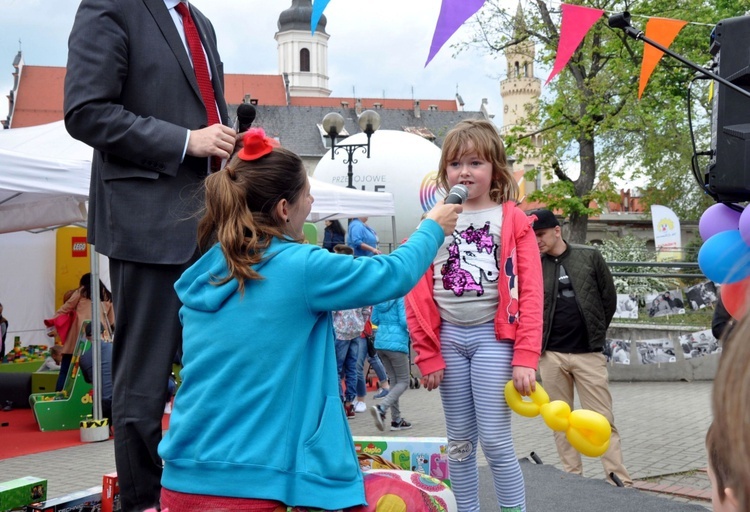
{"x": 667, "y": 235}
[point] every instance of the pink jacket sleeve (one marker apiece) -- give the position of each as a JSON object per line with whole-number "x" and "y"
{"x": 528, "y": 343}
{"x": 424, "y": 325}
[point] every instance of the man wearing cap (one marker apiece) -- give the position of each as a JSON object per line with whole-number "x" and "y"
{"x": 579, "y": 303}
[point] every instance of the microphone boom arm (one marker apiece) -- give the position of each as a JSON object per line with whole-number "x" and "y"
{"x": 622, "y": 20}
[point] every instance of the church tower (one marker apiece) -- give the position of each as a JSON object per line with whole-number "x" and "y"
{"x": 303, "y": 57}
{"x": 520, "y": 92}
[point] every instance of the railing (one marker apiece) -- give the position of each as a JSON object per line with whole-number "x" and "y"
{"x": 663, "y": 264}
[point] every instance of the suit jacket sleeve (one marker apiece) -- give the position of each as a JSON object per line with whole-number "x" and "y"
{"x": 108, "y": 97}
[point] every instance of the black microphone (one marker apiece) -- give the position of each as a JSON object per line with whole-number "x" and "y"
{"x": 245, "y": 117}
{"x": 457, "y": 195}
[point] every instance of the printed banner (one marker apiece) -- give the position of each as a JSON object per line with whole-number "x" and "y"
{"x": 667, "y": 235}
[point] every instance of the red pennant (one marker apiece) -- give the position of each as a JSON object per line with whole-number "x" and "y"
{"x": 662, "y": 31}
{"x": 576, "y": 22}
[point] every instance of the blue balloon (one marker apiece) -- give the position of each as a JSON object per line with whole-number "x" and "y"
{"x": 725, "y": 257}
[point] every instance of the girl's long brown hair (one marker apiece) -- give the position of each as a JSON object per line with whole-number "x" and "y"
{"x": 731, "y": 406}
{"x": 481, "y": 136}
{"x": 240, "y": 209}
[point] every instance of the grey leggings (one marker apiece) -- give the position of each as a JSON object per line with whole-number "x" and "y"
{"x": 477, "y": 368}
{"x": 397, "y": 367}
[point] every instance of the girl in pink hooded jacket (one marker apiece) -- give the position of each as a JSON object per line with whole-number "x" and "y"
{"x": 475, "y": 317}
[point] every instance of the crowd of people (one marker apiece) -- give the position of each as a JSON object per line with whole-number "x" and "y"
{"x": 204, "y": 225}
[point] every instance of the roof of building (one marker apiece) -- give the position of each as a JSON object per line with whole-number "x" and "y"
{"x": 266, "y": 89}
{"x": 39, "y": 97}
{"x": 372, "y": 103}
{"x": 297, "y": 127}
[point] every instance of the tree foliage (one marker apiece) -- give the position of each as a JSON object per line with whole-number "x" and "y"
{"x": 630, "y": 248}
{"x": 590, "y": 115}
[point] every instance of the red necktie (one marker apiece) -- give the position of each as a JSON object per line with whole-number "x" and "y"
{"x": 201, "y": 70}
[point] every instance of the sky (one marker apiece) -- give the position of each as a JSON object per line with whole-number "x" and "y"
{"x": 377, "y": 48}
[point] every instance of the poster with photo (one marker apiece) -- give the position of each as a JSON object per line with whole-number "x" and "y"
{"x": 699, "y": 344}
{"x": 627, "y": 306}
{"x": 655, "y": 351}
{"x": 617, "y": 351}
{"x": 701, "y": 295}
{"x": 665, "y": 303}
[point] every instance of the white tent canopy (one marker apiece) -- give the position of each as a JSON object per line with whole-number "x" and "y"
{"x": 45, "y": 173}
{"x": 334, "y": 202}
{"x": 44, "y": 178}
{"x": 44, "y": 182}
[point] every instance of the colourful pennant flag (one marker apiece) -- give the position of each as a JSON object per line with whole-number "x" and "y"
{"x": 453, "y": 13}
{"x": 576, "y": 22}
{"x": 318, "y": 8}
{"x": 662, "y": 31}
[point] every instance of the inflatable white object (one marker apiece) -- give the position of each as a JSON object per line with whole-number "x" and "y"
{"x": 401, "y": 163}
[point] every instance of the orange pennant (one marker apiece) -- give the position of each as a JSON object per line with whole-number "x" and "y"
{"x": 662, "y": 31}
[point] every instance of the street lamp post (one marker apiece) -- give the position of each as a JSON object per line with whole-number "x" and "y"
{"x": 333, "y": 124}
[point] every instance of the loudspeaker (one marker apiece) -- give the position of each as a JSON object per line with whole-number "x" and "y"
{"x": 728, "y": 173}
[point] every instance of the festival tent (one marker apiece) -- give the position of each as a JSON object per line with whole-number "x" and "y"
{"x": 44, "y": 183}
{"x": 44, "y": 178}
{"x": 334, "y": 202}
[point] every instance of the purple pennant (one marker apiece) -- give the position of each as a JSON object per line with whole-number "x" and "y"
{"x": 453, "y": 13}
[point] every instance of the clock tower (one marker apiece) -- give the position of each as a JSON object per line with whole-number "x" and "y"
{"x": 520, "y": 92}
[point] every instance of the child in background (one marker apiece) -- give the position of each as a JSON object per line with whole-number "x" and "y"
{"x": 375, "y": 363}
{"x": 80, "y": 302}
{"x": 52, "y": 363}
{"x": 347, "y": 327}
{"x": 392, "y": 344}
{"x": 475, "y": 317}
{"x": 723, "y": 498}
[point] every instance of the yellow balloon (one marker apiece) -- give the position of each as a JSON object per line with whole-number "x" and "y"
{"x": 556, "y": 414}
{"x": 589, "y": 432}
{"x": 528, "y": 408}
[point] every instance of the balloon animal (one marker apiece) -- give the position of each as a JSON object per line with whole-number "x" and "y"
{"x": 587, "y": 431}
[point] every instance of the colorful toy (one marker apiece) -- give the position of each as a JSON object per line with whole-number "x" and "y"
{"x": 64, "y": 410}
{"x": 395, "y": 490}
{"x": 587, "y": 431}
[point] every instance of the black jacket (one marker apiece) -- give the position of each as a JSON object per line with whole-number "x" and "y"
{"x": 594, "y": 288}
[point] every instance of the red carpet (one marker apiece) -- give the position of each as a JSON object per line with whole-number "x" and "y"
{"x": 21, "y": 435}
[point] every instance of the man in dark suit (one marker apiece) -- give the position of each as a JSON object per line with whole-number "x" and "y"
{"x": 132, "y": 94}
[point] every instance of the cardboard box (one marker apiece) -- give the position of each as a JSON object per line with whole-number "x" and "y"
{"x": 426, "y": 455}
{"x": 87, "y": 500}
{"x": 110, "y": 493}
{"x": 22, "y": 491}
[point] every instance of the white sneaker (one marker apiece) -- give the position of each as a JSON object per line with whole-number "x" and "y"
{"x": 360, "y": 406}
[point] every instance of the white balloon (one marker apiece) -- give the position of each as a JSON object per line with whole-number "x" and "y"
{"x": 401, "y": 163}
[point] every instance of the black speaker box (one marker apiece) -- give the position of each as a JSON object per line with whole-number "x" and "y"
{"x": 728, "y": 174}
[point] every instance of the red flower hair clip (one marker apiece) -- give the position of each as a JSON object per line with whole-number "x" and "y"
{"x": 255, "y": 144}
